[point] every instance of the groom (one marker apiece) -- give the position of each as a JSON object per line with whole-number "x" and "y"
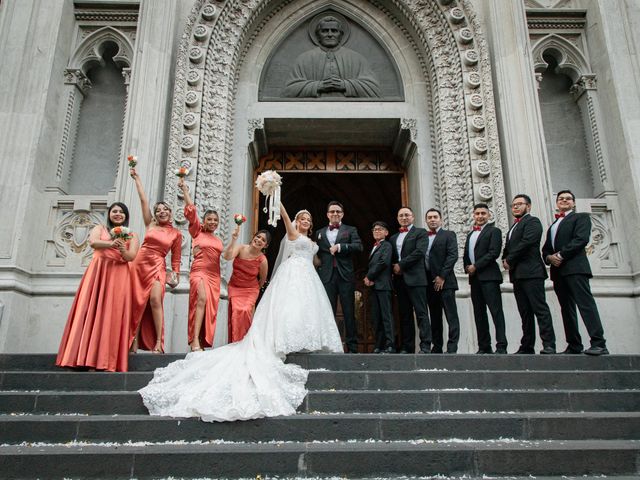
{"x": 337, "y": 243}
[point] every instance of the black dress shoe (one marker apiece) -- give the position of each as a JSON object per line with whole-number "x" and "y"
{"x": 377, "y": 350}
{"x": 389, "y": 350}
{"x": 484, "y": 352}
{"x": 501, "y": 351}
{"x": 521, "y": 351}
{"x": 595, "y": 351}
{"x": 403, "y": 351}
{"x": 571, "y": 351}
{"x": 548, "y": 351}
{"x": 433, "y": 350}
{"x": 425, "y": 350}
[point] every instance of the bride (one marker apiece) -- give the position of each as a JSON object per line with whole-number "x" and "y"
{"x": 249, "y": 379}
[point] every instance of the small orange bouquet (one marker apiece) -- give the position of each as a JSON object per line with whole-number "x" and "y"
{"x": 133, "y": 161}
{"x": 181, "y": 172}
{"x": 239, "y": 218}
{"x": 120, "y": 232}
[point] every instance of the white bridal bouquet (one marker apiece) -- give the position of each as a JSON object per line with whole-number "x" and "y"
{"x": 268, "y": 183}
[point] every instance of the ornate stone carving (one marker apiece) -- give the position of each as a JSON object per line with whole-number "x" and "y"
{"x": 584, "y": 83}
{"x": 69, "y": 242}
{"x": 77, "y": 78}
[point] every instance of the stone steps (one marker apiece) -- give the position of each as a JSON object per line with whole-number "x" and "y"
{"x": 353, "y": 380}
{"x": 343, "y": 459}
{"x": 324, "y": 427}
{"x": 365, "y": 416}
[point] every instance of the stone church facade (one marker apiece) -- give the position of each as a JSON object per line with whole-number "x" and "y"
{"x": 470, "y": 101}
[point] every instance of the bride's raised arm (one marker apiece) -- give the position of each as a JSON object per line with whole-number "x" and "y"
{"x": 292, "y": 233}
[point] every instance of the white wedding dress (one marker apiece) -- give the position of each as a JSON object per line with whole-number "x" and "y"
{"x": 249, "y": 379}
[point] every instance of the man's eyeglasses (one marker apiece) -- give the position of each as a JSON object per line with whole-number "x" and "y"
{"x": 335, "y": 211}
{"x": 518, "y": 204}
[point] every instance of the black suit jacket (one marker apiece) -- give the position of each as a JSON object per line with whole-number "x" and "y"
{"x": 413, "y": 251}
{"x": 571, "y": 239}
{"x": 486, "y": 252}
{"x": 443, "y": 257}
{"x": 522, "y": 251}
{"x": 380, "y": 266}
{"x": 350, "y": 243}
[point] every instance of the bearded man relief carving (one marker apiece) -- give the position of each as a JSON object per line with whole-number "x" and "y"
{"x": 331, "y": 69}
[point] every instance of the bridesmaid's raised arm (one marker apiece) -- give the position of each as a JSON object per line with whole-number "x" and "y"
{"x": 292, "y": 233}
{"x": 232, "y": 250}
{"x": 185, "y": 191}
{"x": 144, "y": 201}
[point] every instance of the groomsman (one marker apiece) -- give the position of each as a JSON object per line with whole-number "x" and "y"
{"x": 337, "y": 244}
{"x": 379, "y": 279}
{"x": 564, "y": 250}
{"x": 441, "y": 257}
{"x": 409, "y": 248}
{"x": 521, "y": 257}
{"x": 481, "y": 252}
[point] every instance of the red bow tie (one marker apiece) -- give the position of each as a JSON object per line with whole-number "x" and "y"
{"x": 431, "y": 232}
{"x": 560, "y": 215}
{"x": 403, "y": 229}
{"x": 377, "y": 244}
{"x": 476, "y": 228}
{"x": 333, "y": 226}
{"x": 517, "y": 220}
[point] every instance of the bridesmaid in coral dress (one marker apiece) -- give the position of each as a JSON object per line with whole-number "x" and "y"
{"x": 96, "y": 335}
{"x": 150, "y": 275}
{"x": 204, "y": 278}
{"x": 250, "y": 268}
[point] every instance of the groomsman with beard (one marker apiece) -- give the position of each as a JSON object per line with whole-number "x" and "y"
{"x": 378, "y": 278}
{"x": 522, "y": 259}
{"x": 564, "y": 250}
{"x": 481, "y": 252}
{"x": 441, "y": 257}
{"x": 337, "y": 244}
{"x": 409, "y": 248}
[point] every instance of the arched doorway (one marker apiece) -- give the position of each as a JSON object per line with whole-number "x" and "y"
{"x": 369, "y": 181}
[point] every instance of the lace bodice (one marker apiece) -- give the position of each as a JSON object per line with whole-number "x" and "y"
{"x": 302, "y": 247}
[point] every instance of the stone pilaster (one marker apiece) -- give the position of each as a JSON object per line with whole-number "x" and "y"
{"x": 524, "y": 154}
{"x": 147, "y": 117}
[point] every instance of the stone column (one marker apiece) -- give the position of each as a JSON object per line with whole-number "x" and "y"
{"x": 148, "y": 110}
{"x": 524, "y": 154}
{"x": 28, "y": 30}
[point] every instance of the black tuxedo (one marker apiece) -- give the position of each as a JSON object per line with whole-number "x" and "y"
{"x": 336, "y": 273}
{"x": 485, "y": 287}
{"x": 410, "y": 288}
{"x": 528, "y": 273}
{"x": 571, "y": 279}
{"x": 442, "y": 257}
{"x": 380, "y": 295}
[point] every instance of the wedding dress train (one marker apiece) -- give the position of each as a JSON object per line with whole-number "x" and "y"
{"x": 249, "y": 379}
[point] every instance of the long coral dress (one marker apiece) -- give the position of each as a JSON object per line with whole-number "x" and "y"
{"x": 97, "y": 331}
{"x": 243, "y": 293}
{"x": 206, "y": 269}
{"x": 149, "y": 267}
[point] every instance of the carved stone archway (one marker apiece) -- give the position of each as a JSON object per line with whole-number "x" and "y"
{"x": 445, "y": 33}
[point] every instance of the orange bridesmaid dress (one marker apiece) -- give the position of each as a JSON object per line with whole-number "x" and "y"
{"x": 149, "y": 267}
{"x": 205, "y": 268}
{"x": 243, "y": 293}
{"x": 97, "y": 331}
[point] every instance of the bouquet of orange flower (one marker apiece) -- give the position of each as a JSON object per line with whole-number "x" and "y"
{"x": 133, "y": 161}
{"x": 239, "y": 218}
{"x": 120, "y": 232}
{"x": 181, "y": 172}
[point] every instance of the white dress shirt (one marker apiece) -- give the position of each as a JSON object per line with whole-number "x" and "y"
{"x": 400, "y": 241}
{"x": 555, "y": 225}
{"x": 473, "y": 239}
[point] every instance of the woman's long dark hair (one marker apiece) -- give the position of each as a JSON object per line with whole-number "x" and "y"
{"x": 124, "y": 208}
{"x": 267, "y": 236}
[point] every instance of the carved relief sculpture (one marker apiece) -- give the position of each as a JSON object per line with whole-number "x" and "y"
{"x": 330, "y": 69}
